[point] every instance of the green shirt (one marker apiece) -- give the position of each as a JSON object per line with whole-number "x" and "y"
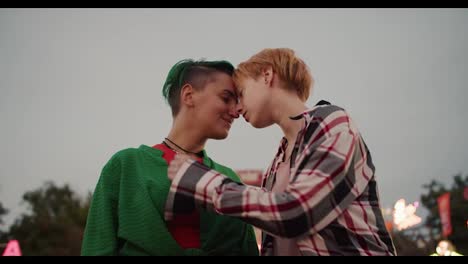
{"x": 126, "y": 216}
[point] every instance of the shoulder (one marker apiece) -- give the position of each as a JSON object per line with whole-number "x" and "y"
{"x": 327, "y": 111}
{"x": 129, "y": 161}
{"x": 116, "y": 160}
{"x": 120, "y": 156}
{"x": 328, "y": 118}
{"x": 126, "y": 153}
{"x": 132, "y": 154}
{"x": 129, "y": 156}
{"x": 324, "y": 120}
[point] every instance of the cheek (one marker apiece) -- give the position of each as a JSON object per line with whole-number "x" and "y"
{"x": 216, "y": 110}
{"x": 248, "y": 101}
{"x": 254, "y": 102}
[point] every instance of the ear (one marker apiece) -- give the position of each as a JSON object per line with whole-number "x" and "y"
{"x": 186, "y": 95}
{"x": 268, "y": 76}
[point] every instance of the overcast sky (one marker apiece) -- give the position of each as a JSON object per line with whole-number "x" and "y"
{"x": 78, "y": 85}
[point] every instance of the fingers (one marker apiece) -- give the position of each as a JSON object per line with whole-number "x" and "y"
{"x": 181, "y": 157}
{"x": 175, "y": 165}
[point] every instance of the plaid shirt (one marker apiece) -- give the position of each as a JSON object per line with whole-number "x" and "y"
{"x": 330, "y": 206}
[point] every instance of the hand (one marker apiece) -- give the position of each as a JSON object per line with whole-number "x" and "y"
{"x": 175, "y": 165}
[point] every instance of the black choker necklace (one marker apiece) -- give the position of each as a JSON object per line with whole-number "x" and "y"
{"x": 181, "y": 148}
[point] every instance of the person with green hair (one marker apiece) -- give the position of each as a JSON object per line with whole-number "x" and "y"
{"x": 126, "y": 216}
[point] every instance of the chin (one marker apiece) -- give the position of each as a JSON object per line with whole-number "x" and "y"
{"x": 259, "y": 125}
{"x": 221, "y": 135}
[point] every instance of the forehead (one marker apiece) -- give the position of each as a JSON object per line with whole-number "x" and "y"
{"x": 443, "y": 244}
{"x": 221, "y": 82}
{"x": 243, "y": 82}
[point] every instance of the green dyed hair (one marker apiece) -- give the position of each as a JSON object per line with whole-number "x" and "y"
{"x": 195, "y": 73}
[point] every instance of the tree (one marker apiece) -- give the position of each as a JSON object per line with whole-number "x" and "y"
{"x": 3, "y": 211}
{"x": 55, "y": 223}
{"x": 406, "y": 244}
{"x": 458, "y": 212}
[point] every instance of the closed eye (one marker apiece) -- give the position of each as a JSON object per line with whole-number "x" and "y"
{"x": 229, "y": 97}
{"x": 226, "y": 99}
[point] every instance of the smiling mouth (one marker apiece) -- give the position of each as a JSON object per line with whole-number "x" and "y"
{"x": 229, "y": 122}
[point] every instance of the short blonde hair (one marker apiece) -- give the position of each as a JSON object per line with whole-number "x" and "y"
{"x": 291, "y": 70}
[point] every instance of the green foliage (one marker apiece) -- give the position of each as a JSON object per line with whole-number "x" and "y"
{"x": 3, "y": 211}
{"x": 458, "y": 211}
{"x": 54, "y": 224}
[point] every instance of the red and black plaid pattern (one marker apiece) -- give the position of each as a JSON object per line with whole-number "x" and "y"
{"x": 331, "y": 205}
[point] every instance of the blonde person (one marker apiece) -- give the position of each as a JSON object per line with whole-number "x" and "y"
{"x": 319, "y": 195}
{"x": 445, "y": 248}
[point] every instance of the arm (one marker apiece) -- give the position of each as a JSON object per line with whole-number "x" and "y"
{"x": 323, "y": 185}
{"x": 100, "y": 235}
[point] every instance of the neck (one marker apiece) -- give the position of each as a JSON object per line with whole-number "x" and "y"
{"x": 289, "y": 106}
{"x": 185, "y": 136}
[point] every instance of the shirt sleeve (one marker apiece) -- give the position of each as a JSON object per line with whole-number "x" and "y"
{"x": 322, "y": 185}
{"x": 100, "y": 235}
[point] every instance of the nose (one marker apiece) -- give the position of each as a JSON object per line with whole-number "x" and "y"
{"x": 233, "y": 112}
